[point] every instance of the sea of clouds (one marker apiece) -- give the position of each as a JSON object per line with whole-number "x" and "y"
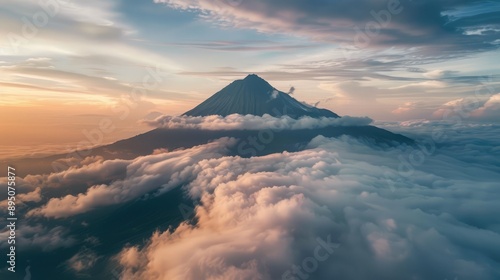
{"x": 340, "y": 209}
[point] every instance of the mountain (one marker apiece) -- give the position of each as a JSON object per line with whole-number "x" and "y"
{"x": 124, "y": 224}
{"x": 251, "y": 95}
{"x": 255, "y": 96}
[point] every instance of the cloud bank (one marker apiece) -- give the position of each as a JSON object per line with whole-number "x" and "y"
{"x": 481, "y": 109}
{"x": 147, "y": 172}
{"x": 251, "y": 122}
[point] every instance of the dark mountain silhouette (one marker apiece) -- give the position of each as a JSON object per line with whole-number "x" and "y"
{"x": 255, "y": 96}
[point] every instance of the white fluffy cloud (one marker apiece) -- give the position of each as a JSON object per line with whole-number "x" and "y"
{"x": 161, "y": 171}
{"x": 251, "y": 122}
{"x": 478, "y": 108}
{"x": 490, "y": 111}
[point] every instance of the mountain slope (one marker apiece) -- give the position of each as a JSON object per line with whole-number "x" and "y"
{"x": 173, "y": 139}
{"x": 255, "y": 96}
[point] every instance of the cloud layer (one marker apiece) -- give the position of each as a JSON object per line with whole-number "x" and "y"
{"x": 260, "y": 216}
{"x": 251, "y": 122}
{"x": 426, "y": 212}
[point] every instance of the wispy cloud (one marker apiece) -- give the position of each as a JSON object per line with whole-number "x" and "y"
{"x": 399, "y": 23}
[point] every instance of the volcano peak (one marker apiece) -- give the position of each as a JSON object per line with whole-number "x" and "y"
{"x": 253, "y": 77}
{"x": 255, "y": 96}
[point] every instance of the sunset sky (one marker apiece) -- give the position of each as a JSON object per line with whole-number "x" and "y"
{"x": 67, "y": 65}
{"x": 359, "y": 139}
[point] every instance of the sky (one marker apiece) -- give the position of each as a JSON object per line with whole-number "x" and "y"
{"x": 94, "y": 72}
{"x": 67, "y": 66}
